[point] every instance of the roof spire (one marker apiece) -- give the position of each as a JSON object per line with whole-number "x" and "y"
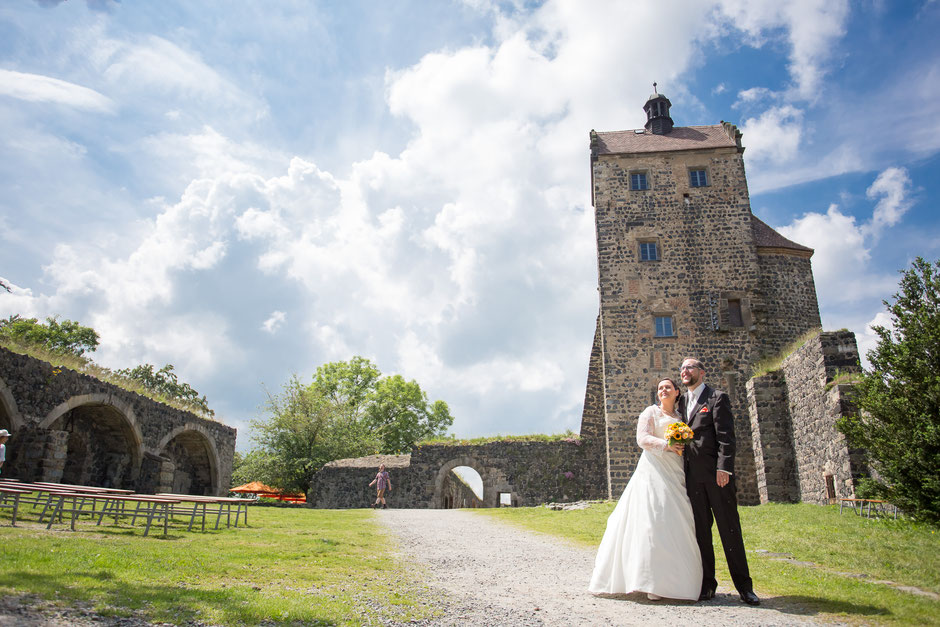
{"x": 657, "y": 106}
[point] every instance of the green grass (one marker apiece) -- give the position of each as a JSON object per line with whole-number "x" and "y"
{"x": 290, "y": 566}
{"x": 900, "y": 551}
{"x": 774, "y": 362}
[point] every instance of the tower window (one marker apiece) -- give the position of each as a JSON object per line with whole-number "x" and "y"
{"x": 698, "y": 178}
{"x": 664, "y": 326}
{"x": 734, "y": 313}
{"x": 649, "y": 251}
{"x": 638, "y": 181}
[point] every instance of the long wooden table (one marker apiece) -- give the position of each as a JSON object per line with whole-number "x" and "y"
{"x": 58, "y": 499}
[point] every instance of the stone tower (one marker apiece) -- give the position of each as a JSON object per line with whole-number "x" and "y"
{"x": 684, "y": 270}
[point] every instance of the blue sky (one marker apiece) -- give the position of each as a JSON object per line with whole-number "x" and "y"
{"x": 247, "y": 190}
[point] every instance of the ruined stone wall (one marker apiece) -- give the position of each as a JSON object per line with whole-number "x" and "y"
{"x": 594, "y": 432}
{"x": 707, "y": 257}
{"x": 786, "y": 306}
{"x": 820, "y": 448}
{"x": 772, "y": 439}
{"x": 530, "y": 472}
{"x": 68, "y": 425}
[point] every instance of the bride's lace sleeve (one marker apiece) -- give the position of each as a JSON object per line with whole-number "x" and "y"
{"x": 644, "y": 431}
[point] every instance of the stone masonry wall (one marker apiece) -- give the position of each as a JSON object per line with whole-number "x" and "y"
{"x": 785, "y": 307}
{"x": 530, "y": 472}
{"x": 594, "y": 433}
{"x": 707, "y": 257}
{"x": 52, "y": 413}
{"x": 771, "y": 433}
{"x": 820, "y": 449}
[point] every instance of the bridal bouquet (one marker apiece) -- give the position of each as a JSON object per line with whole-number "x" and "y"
{"x": 679, "y": 433}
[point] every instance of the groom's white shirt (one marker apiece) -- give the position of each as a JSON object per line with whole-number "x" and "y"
{"x": 691, "y": 399}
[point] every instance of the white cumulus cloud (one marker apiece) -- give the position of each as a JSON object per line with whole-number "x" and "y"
{"x": 274, "y": 321}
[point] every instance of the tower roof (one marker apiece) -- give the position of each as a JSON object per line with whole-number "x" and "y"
{"x": 767, "y": 238}
{"x": 680, "y": 138}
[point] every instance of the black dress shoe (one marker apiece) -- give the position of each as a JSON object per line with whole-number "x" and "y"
{"x": 707, "y": 595}
{"x": 750, "y": 598}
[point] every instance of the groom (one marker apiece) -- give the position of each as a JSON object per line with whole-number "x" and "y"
{"x": 709, "y": 479}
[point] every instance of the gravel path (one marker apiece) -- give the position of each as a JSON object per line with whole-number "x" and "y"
{"x": 490, "y": 573}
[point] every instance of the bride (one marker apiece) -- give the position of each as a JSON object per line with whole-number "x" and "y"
{"x": 649, "y": 545}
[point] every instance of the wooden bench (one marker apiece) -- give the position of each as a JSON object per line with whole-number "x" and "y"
{"x": 15, "y": 493}
{"x": 866, "y": 506}
{"x": 223, "y": 506}
{"x": 75, "y": 503}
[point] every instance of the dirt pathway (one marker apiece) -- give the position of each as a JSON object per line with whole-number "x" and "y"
{"x": 490, "y": 573}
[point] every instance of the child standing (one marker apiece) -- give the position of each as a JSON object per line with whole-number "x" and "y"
{"x": 383, "y": 484}
{"x": 4, "y": 436}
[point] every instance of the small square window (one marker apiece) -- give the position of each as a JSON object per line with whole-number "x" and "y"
{"x": 649, "y": 251}
{"x": 698, "y": 178}
{"x": 664, "y": 326}
{"x": 638, "y": 181}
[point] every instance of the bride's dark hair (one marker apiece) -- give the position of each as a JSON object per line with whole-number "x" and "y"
{"x": 674, "y": 385}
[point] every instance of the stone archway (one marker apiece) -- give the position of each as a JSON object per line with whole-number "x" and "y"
{"x": 494, "y": 481}
{"x": 462, "y": 488}
{"x": 98, "y": 437}
{"x": 10, "y": 418}
{"x": 192, "y": 461}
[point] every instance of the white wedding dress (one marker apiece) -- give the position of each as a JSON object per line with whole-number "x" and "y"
{"x": 649, "y": 545}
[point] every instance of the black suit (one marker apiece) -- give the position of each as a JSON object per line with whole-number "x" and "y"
{"x": 712, "y": 449}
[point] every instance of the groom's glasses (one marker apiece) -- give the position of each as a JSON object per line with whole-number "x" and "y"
{"x": 689, "y": 368}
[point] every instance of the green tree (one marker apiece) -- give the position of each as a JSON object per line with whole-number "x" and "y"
{"x": 249, "y": 467}
{"x": 400, "y": 414}
{"x": 164, "y": 382}
{"x": 348, "y": 410}
{"x": 899, "y": 399}
{"x": 67, "y": 337}
{"x": 348, "y": 384}
{"x": 302, "y": 431}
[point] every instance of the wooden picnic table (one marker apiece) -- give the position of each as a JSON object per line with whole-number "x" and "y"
{"x": 62, "y": 498}
{"x": 82, "y": 488}
{"x": 860, "y": 506}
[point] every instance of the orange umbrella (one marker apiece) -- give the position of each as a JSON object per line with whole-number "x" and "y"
{"x": 256, "y": 487}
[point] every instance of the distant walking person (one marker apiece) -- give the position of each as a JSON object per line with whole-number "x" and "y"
{"x": 4, "y": 436}
{"x": 383, "y": 484}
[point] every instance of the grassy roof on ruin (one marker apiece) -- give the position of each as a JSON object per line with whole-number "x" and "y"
{"x": 372, "y": 461}
{"x": 567, "y": 436}
{"x": 775, "y": 362}
{"x": 83, "y": 365}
